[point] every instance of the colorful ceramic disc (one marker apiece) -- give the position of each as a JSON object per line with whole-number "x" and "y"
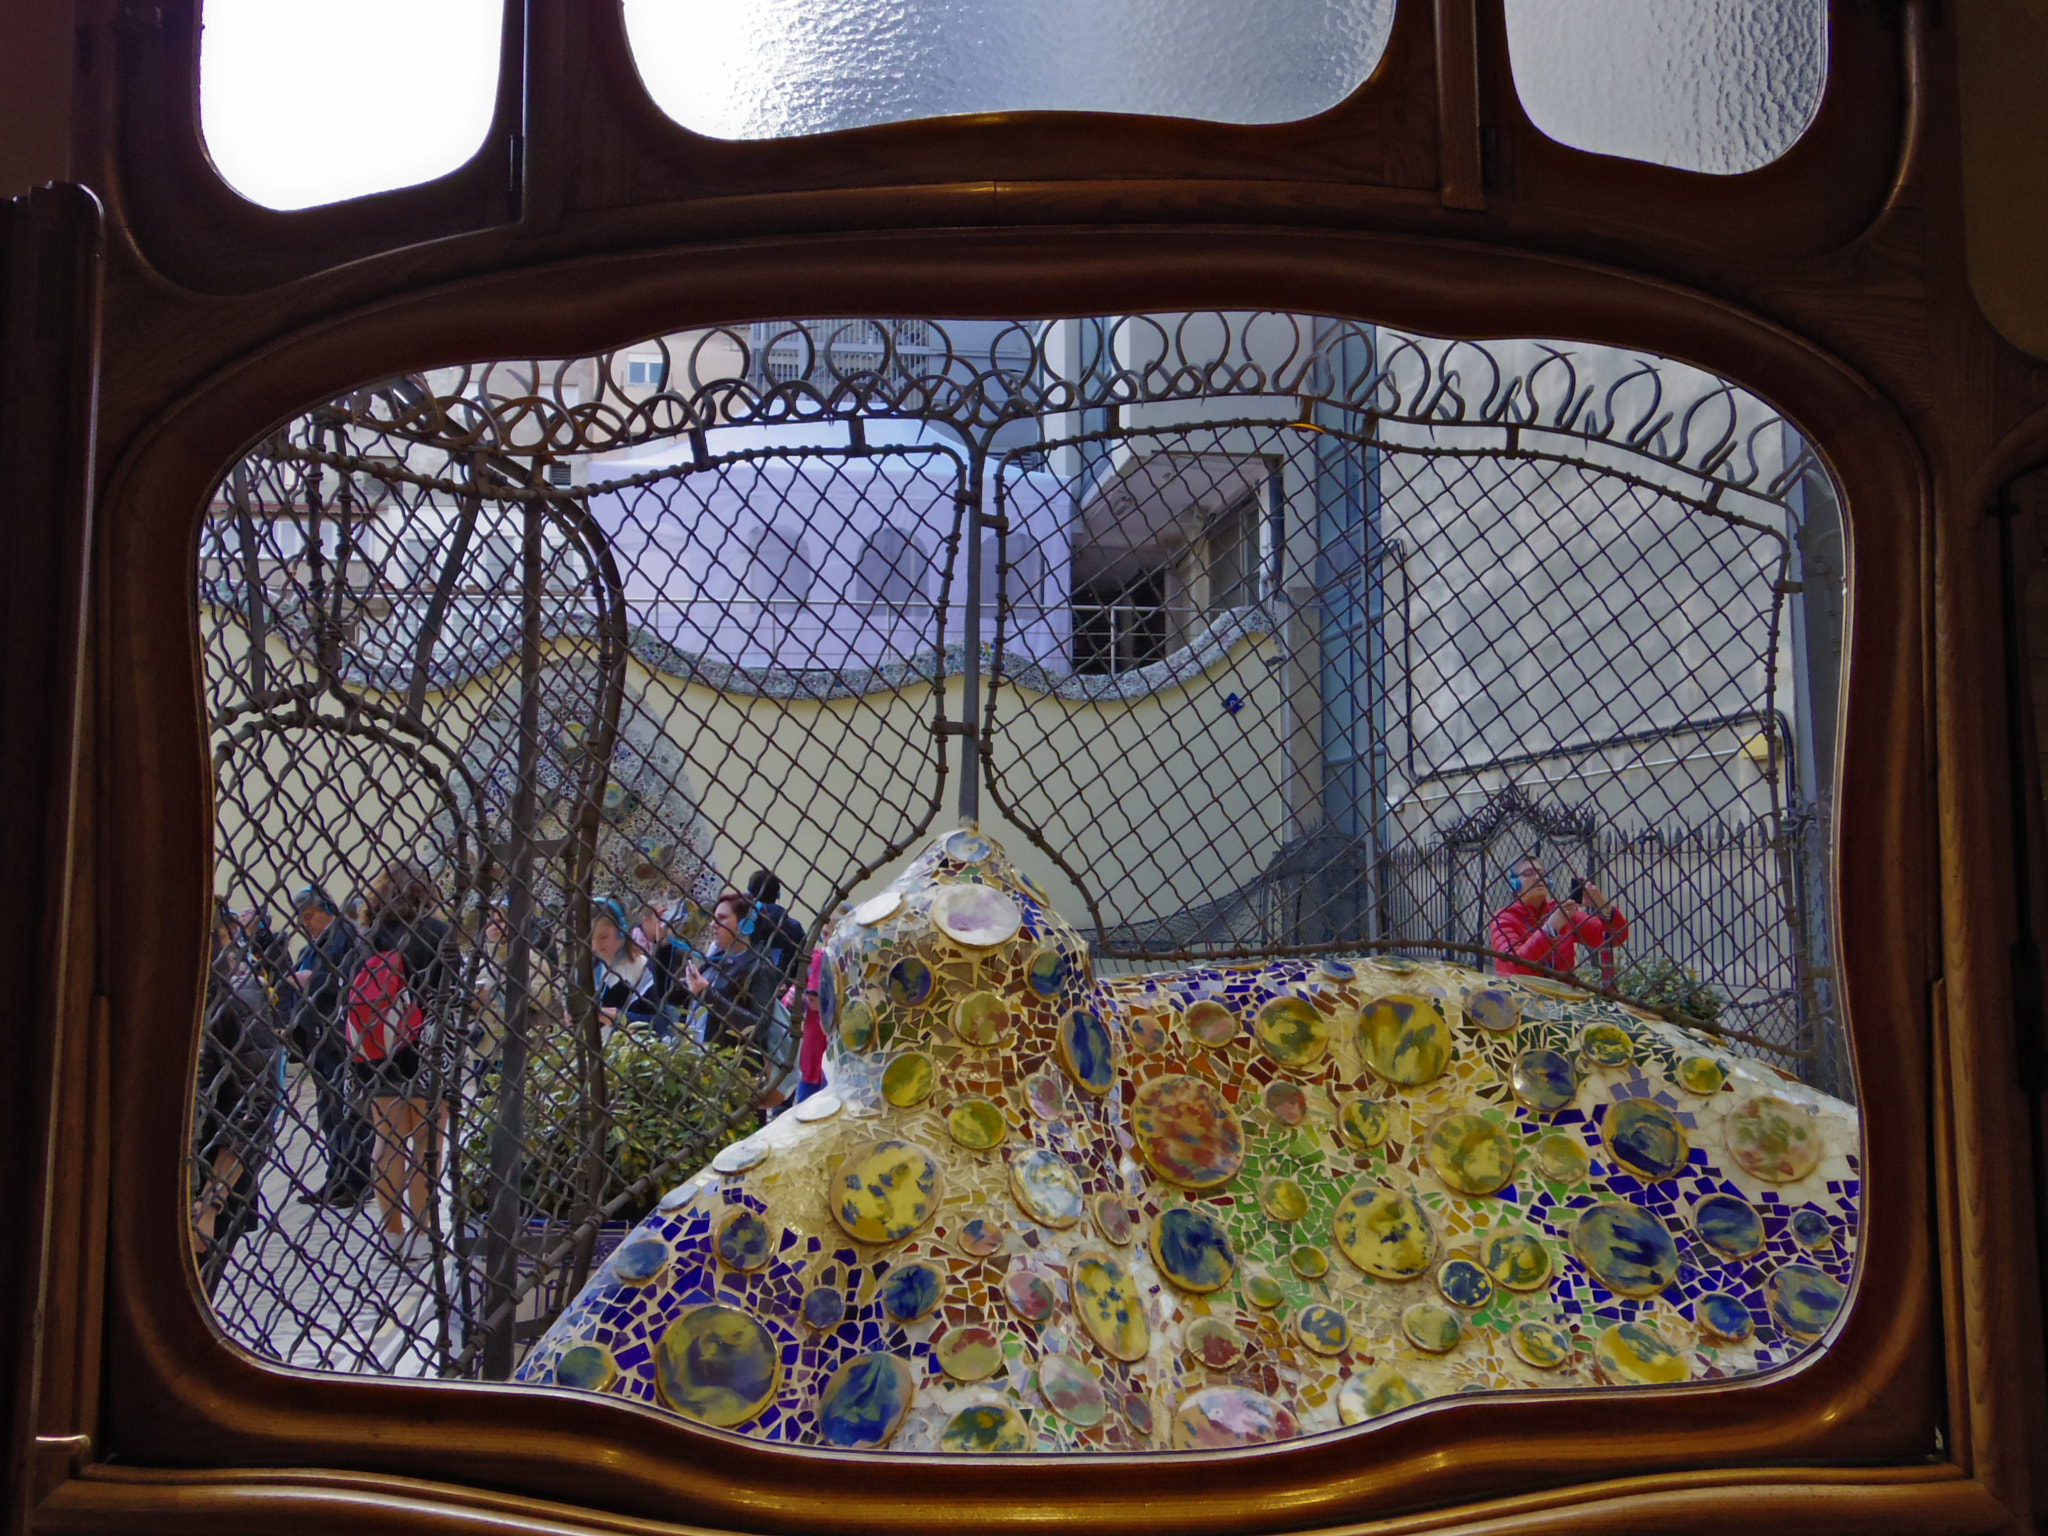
{"x": 875, "y": 908}
{"x": 1560, "y": 1158}
{"x": 819, "y": 1106}
{"x": 1187, "y": 1133}
{"x": 1286, "y": 1102}
{"x": 1029, "y": 1294}
{"x": 964, "y": 847}
{"x": 1045, "y": 1096}
{"x": 1333, "y": 968}
{"x": 1645, "y": 1138}
{"x": 586, "y": 1367}
{"x": 1322, "y": 1328}
{"x": 856, "y": 1027}
{"x": 1112, "y": 1219}
{"x": 910, "y": 982}
{"x": 1471, "y": 1154}
{"x": 976, "y": 915}
{"x": 1464, "y": 1284}
{"x": 1635, "y": 1354}
{"x": 641, "y": 1260}
{"x": 1606, "y": 1045}
{"x": 1385, "y": 1391}
{"x": 1309, "y": 1263}
{"x": 1626, "y": 1248}
{"x": 1191, "y": 1249}
{"x": 1395, "y": 965}
{"x": 865, "y": 1402}
{"x": 1110, "y": 1305}
{"x": 1724, "y": 1317}
{"x": 909, "y": 1078}
{"x": 1549, "y": 987}
{"x": 1729, "y": 1225}
{"x": 1084, "y": 1051}
{"x": 1215, "y": 1343}
{"x": 1804, "y": 1301}
{"x": 980, "y": 1236}
{"x": 740, "y": 1156}
{"x": 1493, "y": 1010}
{"x": 1810, "y": 1229}
{"x": 1518, "y": 1261}
{"x": 1384, "y": 1232}
{"x": 911, "y": 1291}
{"x": 981, "y": 1018}
{"x": 885, "y": 1192}
{"x": 1146, "y": 1032}
{"x": 1773, "y": 1138}
{"x": 969, "y": 1353}
{"x": 1545, "y": 1081}
{"x": 744, "y": 1241}
{"x": 1365, "y": 1123}
{"x": 1046, "y": 972}
{"x": 824, "y": 1306}
{"x": 1702, "y": 1075}
{"x": 1137, "y": 1412}
{"x": 1432, "y": 1329}
{"x": 1264, "y": 1292}
{"x": 717, "y": 1365}
{"x": 976, "y": 1124}
{"x": 1221, "y": 1418}
{"x": 1283, "y": 1199}
{"x": 1210, "y": 1024}
{"x": 1046, "y": 1186}
{"x": 1291, "y": 1032}
{"x": 989, "y": 1429}
{"x": 1406, "y": 1040}
{"x": 1539, "y": 1344}
{"x": 1071, "y": 1390}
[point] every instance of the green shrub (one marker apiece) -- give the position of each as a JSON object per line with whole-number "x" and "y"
{"x": 1667, "y": 984}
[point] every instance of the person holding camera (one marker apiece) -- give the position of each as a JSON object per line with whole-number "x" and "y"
{"x": 1536, "y": 928}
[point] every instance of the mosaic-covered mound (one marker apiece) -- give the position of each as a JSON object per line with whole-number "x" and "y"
{"x": 1211, "y": 1207}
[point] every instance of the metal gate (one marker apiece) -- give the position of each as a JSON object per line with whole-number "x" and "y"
{"x": 1262, "y": 633}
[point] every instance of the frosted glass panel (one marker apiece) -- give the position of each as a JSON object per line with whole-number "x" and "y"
{"x": 1703, "y": 85}
{"x": 765, "y": 69}
{"x": 309, "y": 101}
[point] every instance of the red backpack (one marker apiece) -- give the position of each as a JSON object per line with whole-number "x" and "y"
{"x": 382, "y": 1017}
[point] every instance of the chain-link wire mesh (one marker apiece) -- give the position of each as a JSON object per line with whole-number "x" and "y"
{"x": 1271, "y": 634}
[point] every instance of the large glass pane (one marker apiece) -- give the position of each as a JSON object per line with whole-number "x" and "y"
{"x": 766, "y": 69}
{"x": 1703, "y": 85}
{"x": 303, "y": 103}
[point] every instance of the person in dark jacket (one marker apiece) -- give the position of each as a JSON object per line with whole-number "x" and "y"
{"x": 735, "y": 984}
{"x": 777, "y": 935}
{"x": 407, "y": 1080}
{"x": 236, "y": 1114}
{"x": 315, "y": 992}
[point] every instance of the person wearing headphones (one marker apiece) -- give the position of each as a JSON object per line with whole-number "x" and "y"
{"x": 735, "y": 983}
{"x": 1537, "y": 928}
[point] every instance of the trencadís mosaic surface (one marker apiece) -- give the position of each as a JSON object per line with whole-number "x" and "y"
{"x": 1039, "y": 1212}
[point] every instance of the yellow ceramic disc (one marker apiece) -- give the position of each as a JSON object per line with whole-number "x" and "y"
{"x": 976, "y": 1124}
{"x": 981, "y": 1018}
{"x": 1209, "y": 1023}
{"x": 1384, "y": 1232}
{"x": 1561, "y": 1158}
{"x": 1702, "y": 1075}
{"x": 1111, "y": 1306}
{"x": 856, "y": 1026}
{"x": 884, "y": 1192}
{"x": 717, "y": 1365}
{"x": 1635, "y": 1354}
{"x": 1517, "y": 1261}
{"x": 1406, "y": 1040}
{"x": 1471, "y": 1154}
{"x": 1292, "y": 1033}
{"x": 969, "y": 1353}
{"x": 908, "y": 1079}
{"x": 1539, "y": 1344}
{"x": 1365, "y": 1123}
{"x": 1368, "y": 1397}
{"x": 1283, "y": 1199}
{"x": 990, "y": 1429}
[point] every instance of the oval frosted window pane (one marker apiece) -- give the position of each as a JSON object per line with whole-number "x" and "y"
{"x": 307, "y": 101}
{"x": 767, "y": 69}
{"x": 1703, "y": 85}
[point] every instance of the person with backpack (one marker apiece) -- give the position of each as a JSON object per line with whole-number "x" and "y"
{"x": 315, "y": 993}
{"x": 396, "y": 1002}
{"x": 236, "y": 1119}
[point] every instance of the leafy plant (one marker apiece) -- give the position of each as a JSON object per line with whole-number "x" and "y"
{"x": 669, "y": 1105}
{"x": 1667, "y": 984}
